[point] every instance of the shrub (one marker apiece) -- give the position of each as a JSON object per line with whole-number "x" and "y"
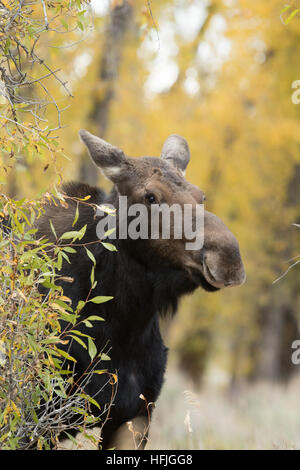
{"x": 38, "y": 397}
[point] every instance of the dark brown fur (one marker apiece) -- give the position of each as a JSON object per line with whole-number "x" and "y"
{"x": 145, "y": 277}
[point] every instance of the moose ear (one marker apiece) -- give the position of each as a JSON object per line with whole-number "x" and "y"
{"x": 176, "y": 151}
{"x": 110, "y": 159}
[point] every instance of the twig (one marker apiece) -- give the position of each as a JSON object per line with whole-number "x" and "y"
{"x": 288, "y": 269}
{"x": 154, "y": 23}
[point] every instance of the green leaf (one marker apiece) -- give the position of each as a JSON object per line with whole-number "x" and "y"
{"x": 60, "y": 392}
{"x": 104, "y": 357}
{"x": 64, "y": 305}
{"x": 32, "y": 343}
{"x": 92, "y": 276}
{"x": 76, "y": 332}
{"x": 68, "y": 317}
{"x": 68, "y": 235}
{"x": 52, "y": 228}
{"x": 65, "y": 24}
{"x": 65, "y": 256}
{"x": 95, "y": 318}
{"x": 52, "y": 340}
{"x": 7, "y": 46}
{"x": 292, "y": 15}
{"x": 80, "y": 305}
{"x": 66, "y": 355}
{"x": 80, "y": 25}
{"x": 90, "y": 255}
{"x": 82, "y": 231}
{"x": 109, "y": 246}
{"x": 34, "y": 416}
{"x": 109, "y": 232}
{"x": 78, "y": 341}
{"x": 59, "y": 261}
{"x": 65, "y": 372}
{"x": 68, "y": 249}
{"x": 93, "y": 401}
{"x": 92, "y": 348}
{"x": 72, "y": 438}
{"x": 74, "y": 234}
{"x": 100, "y": 299}
{"x": 285, "y": 8}
{"x": 76, "y": 216}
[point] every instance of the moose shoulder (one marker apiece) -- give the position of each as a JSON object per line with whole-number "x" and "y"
{"x": 145, "y": 276}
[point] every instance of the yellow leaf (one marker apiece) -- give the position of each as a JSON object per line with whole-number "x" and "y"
{"x": 66, "y": 299}
{"x": 113, "y": 379}
{"x": 14, "y": 406}
{"x": 22, "y": 295}
{"x": 57, "y": 307}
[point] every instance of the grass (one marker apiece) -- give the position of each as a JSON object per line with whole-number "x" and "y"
{"x": 258, "y": 416}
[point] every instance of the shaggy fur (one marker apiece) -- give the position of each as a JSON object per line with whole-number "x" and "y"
{"x": 145, "y": 277}
{"x": 142, "y": 289}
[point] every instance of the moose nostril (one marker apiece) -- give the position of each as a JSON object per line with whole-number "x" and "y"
{"x": 210, "y": 269}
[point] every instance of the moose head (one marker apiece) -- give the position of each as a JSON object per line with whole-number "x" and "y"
{"x": 161, "y": 181}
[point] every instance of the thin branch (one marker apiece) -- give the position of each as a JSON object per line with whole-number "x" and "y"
{"x": 153, "y": 22}
{"x": 285, "y": 273}
{"x": 45, "y": 14}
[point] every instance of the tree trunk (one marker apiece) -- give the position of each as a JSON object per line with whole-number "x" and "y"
{"x": 279, "y": 322}
{"x": 280, "y": 329}
{"x": 118, "y": 25}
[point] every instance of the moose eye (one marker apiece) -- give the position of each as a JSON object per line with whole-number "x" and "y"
{"x": 150, "y": 198}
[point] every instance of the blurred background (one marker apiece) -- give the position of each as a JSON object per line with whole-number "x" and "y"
{"x": 220, "y": 73}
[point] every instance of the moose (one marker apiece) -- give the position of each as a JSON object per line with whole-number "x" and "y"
{"x": 145, "y": 276}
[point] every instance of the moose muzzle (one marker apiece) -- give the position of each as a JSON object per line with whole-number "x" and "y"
{"x": 222, "y": 264}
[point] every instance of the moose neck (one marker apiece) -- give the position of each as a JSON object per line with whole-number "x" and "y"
{"x": 140, "y": 291}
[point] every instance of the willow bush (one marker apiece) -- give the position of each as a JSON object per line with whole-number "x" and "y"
{"x": 38, "y": 394}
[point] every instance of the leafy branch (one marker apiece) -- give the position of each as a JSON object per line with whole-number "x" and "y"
{"x": 288, "y": 13}
{"x": 29, "y": 84}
